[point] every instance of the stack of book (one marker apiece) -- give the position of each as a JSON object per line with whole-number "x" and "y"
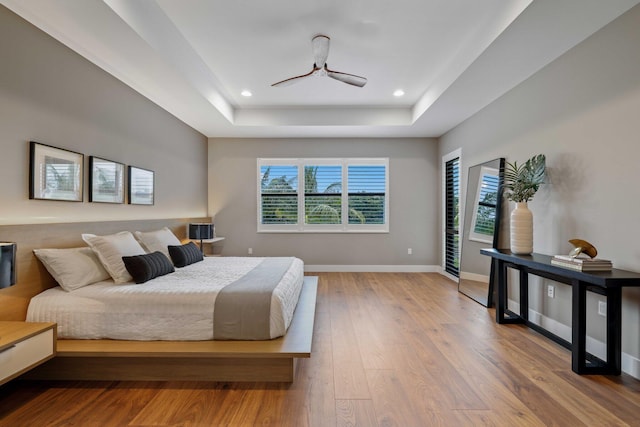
{"x": 582, "y": 263}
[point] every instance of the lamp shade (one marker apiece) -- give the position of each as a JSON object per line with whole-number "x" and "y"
{"x": 201, "y": 231}
{"x": 7, "y": 264}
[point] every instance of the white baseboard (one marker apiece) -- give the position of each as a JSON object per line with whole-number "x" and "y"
{"x": 374, "y": 268}
{"x": 630, "y": 364}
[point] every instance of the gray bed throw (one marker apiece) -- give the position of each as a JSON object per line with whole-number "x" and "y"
{"x": 243, "y": 309}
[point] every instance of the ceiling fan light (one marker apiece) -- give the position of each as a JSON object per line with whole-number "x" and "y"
{"x": 246, "y": 93}
{"x": 398, "y": 93}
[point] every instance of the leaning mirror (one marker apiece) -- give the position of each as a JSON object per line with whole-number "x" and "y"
{"x": 480, "y": 230}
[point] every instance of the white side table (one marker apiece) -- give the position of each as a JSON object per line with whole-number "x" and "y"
{"x": 23, "y": 346}
{"x": 212, "y": 243}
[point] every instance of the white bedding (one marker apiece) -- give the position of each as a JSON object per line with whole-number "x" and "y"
{"x": 178, "y": 306}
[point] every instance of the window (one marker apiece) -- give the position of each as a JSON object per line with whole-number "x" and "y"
{"x": 367, "y": 190}
{"x": 323, "y": 195}
{"x": 279, "y": 194}
{"x": 452, "y": 209}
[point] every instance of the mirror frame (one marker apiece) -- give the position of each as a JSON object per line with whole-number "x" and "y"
{"x": 470, "y": 211}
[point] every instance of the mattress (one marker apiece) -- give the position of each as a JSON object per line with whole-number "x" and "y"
{"x": 178, "y": 306}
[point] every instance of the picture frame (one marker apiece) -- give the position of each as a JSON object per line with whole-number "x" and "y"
{"x": 55, "y": 173}
{"x": 141, "y": 186}
{"x": 106, "y": 180}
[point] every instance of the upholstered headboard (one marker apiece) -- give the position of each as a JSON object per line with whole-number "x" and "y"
{"x": 33, "y": 278}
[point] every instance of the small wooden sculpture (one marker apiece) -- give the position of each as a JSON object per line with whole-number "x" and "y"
{"x": 582, "y": 247}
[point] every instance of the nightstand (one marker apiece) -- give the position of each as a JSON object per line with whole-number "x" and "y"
{"x": 23, "y": 346}
{"x": 212, "y": 243}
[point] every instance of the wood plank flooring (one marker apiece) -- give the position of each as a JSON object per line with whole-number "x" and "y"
{"x": 389, "y": 350}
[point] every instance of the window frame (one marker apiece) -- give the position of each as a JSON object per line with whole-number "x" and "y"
{"x": 344, "y": 227}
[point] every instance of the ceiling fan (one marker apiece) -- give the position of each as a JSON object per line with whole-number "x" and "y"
{"x": 320, "y": 45}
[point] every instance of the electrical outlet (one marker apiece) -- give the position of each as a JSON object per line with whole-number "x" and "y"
{"x": 551, "y": 291}
{"x": 409, "y": 251}
{"x": 250, "y": 251}
{"x": 602, "y": 308}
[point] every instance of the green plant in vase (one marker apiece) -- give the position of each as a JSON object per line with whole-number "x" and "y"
{"x": 521, "y": 182}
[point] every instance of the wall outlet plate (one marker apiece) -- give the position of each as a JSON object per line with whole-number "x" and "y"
{"x": 551, "y": 291}
{"x": 602, "y": 308}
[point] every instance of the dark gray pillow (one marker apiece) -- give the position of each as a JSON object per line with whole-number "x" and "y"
{"x": 184, "y": 255}
{"x": 148, "y": 266}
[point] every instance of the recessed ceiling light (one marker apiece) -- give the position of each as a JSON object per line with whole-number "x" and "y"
{"x": 398, "y": 92}
{"x": 246, "y": 93}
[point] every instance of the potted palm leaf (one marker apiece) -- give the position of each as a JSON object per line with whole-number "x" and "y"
{"x": 521, "y": 182}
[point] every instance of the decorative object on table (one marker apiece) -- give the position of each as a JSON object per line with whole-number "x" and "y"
{"x": 582, "y": 263}
{"x": 55, "y": 173}
{"x": 7, "y": 264}
{"x": 141, "y": 191}
{"x": 582, "y": 258}
{"x": 201, "y": 231}
{"x": 106, "y": 181}
{"x": 521, "y": 182}
{"x": 583, "y": 247}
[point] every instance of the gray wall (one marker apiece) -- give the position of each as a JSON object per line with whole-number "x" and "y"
{"x": 413, "y": 199}
{"x": 52, "y": 95}
{"x": 583, "y": 112}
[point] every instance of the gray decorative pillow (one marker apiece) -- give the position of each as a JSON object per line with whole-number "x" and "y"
{"x": 110, "y": 250}
{"x": 148, "y": 266}
{"x": 72, "y": 268}
{"x": 184, "y": 255}
{"x": 157, "y": 240}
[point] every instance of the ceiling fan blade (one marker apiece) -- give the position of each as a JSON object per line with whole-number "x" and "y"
{"x": 320, "y": 46}
{"x": 292, "y": 80}
{"x": 350, "y": 79}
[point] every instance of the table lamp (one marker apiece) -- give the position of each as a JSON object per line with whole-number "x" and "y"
{"x": 7, "y": 264}
{"x": 201, "y": 231}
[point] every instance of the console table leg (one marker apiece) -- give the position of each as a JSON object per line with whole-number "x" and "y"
{"x": 578, "y": 326}
{"x": 614, "y": 330}
{"x": 502, "y": 292}
{"x": 524, "y": 295}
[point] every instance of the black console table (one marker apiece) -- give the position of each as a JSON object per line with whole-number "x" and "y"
{"x": 607, "y": 283}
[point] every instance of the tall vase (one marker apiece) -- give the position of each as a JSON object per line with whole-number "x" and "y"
{"x": 521, "y": 229}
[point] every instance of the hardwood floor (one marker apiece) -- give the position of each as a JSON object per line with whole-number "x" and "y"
{"x": 389, "y": 350}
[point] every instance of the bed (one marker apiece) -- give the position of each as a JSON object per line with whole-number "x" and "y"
{"x": 174, "y": 346}
{"x": 180, "y": 306}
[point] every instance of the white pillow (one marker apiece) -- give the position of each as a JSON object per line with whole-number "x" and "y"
{"x": 158, "y": 240}
{"x": 111, "y": 248}
{"x": 72, "y": 268}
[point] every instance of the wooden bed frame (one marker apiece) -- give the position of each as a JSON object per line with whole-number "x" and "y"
{"x": 255, "y": 361}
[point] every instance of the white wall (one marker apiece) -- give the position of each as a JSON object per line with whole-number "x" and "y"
{"x": 583, "y": 112}
{"x": 52, "y": 95}
{"x": 413, "y": 195}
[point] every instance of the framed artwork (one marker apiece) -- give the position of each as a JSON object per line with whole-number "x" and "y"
{"x": 55, "y": 173}
{"x": 106, "y": 181}
{"x": 140, "y": 186}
